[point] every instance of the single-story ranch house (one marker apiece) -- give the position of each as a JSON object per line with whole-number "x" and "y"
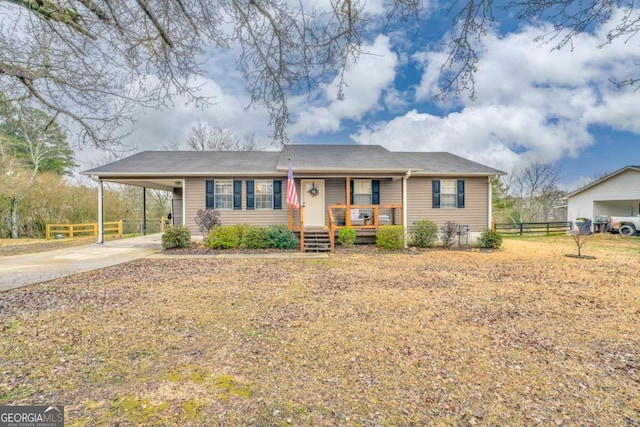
{"x": 617, "y": 194}
{"x": 359, "y": 186}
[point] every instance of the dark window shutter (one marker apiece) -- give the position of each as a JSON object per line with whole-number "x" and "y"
{"x": 277, "y": 194}
{"x": 209, "y": 190}
{"x": 351, "y": 192}
{"x": 435, "y": 193}
{"x": 375, "y": 192}
{"x": 250, "y": 195}
{"x": 237, "y": 195}
{"x": 460, "y": 198}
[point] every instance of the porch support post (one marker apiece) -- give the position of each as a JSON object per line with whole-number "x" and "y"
{"x": 347, "y": 212}
{"x": 404, "y": 208}
{"x": 100, "y": 213}
{"x": 144, "y": 211}
{"x": 184, "y": 203}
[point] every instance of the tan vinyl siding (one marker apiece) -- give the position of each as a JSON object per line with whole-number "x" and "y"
{"x": 335, "y": 191}
{"x": 474, "y": 214}
{"x": 390, "y": 192}
{"x": 196, "y": 193}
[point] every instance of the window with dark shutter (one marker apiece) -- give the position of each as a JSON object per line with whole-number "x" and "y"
{"x": 210, "y": 194}
{"x": 250, "y": 195}
{"x": 375, "y": 192}
{"x": 460, "y": 193}
{"x": 237, "y": 195}
{"x": 277, "y": 194}
{"x": 435, "y": 193}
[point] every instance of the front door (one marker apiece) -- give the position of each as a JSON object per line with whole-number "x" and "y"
{"x": 313, "y": 201}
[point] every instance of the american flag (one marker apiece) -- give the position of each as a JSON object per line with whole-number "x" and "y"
{"x": 292, "y": 196}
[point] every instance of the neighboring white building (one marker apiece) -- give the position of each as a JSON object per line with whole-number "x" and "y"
{"x": 617, "y": 194}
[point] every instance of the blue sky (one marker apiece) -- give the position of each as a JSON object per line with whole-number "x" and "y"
{"x": 532, "y": 104}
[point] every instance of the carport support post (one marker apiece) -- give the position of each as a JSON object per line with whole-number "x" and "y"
{"x": 100, "y": 213}
{"x": 144, "y": 211}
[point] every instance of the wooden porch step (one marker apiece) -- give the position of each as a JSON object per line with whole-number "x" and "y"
{"x": 317, "y": 241}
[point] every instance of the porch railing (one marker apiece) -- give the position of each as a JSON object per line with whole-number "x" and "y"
{"x": 362, "y": 217}
{"x": 359, "y": 217}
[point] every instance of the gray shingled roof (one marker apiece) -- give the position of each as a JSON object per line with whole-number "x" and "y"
{"x": 191, "y": 163}
{"x": 304, "y": 158}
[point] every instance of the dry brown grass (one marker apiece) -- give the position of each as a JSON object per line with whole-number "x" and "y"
{"x": 520, "y": 336}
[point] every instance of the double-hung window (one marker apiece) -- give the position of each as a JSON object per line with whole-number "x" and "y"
{"x": 223, "y": 194}
{"x": 365, "y": 192}
{"x": 361, "y": 191}
{"x": 264, "y": 194}
{"x": 448, "y": 193}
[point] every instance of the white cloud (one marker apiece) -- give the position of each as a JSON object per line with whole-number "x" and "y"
{"x": 532, "y": 103}
{"x": 366, "y": 80}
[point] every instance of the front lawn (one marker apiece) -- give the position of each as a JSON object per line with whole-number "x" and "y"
{"x": 519, "y": 336}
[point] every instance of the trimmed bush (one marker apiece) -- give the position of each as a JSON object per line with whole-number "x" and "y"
{"x": 255, "y": 238}
{"x": 490, "y": 239}
{"x": 206, "y": 219}
{"x": 242, "y": 229}
{"x": 176, "y": 237}
{"x": 223, "y": 237}
{"x": 280, "y": 237}
{"x": 448, "y": 233}
{"x": 347, "y": 236}
{"x": 390, "y": 237}
{"x": 425, "y": 233}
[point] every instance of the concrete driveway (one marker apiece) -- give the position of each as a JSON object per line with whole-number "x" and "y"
{"x": 22, "y": 270}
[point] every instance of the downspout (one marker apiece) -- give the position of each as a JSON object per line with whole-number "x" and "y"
{"x": 490, "y": 203}
{"x": 404, "y": 207}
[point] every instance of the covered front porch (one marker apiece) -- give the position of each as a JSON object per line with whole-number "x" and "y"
{"x": 323, "y": 207}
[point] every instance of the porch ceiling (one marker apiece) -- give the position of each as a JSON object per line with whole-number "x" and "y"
{"x": 155, "y": 183}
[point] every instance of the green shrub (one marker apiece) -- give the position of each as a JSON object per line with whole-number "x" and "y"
{"x": 347, "y": 236}
{"x": 223, "y": 237}
{"x": 255, "y": 238}
{"x": 390, "y": 237}
{"x": 490, "y": 239}
{"x": 425, "y": 233}
{"x": 177, "y": 237}
{"x": 280, "y": 237}
{"x": 242, "y": 229}
{"x": 448, "y": 233}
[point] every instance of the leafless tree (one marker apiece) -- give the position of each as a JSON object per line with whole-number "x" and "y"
{"x": 533, "y": 190}
{"x": 580, "y": 235}
{"x": 205, "y": 137}
{"x": 18, "y": 176}
{"x": 96, "y": 62}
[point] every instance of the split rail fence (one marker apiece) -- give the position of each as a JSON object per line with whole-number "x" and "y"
{"x": 555, "y": 227}
{"x": 77, "y": 230}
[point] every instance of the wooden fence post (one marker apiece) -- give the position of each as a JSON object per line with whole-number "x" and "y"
{"x": 120, "y": 228}
{"x": 71, "y": 230}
